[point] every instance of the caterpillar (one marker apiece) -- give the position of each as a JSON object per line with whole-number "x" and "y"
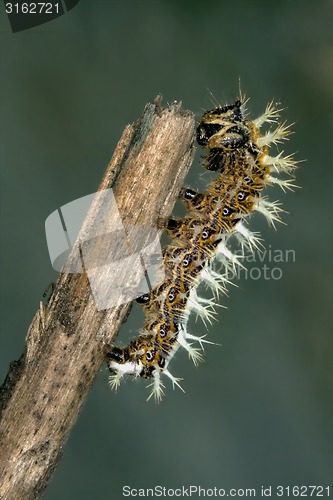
{"x": 238, "y": 151}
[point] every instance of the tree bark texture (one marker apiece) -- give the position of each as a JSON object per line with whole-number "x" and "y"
{"x": 67, "y": 339}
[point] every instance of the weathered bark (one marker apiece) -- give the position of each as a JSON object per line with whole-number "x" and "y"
{"x": 65, "y": 346}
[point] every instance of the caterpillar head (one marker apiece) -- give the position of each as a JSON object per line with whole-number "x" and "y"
{"x": 223, "y": 128}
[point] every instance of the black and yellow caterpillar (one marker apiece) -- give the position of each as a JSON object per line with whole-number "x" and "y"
{"x": 238, "y": 152}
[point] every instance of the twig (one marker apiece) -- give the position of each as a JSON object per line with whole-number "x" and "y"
{"x": 65, "y": 346}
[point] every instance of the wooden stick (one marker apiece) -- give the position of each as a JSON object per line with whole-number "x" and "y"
{"x": 65, "y": 346}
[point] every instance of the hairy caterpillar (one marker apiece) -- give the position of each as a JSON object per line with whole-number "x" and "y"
{"x": 238, "y": 152}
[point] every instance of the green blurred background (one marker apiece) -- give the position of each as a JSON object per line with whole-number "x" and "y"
{"x": 259, "y": 410}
